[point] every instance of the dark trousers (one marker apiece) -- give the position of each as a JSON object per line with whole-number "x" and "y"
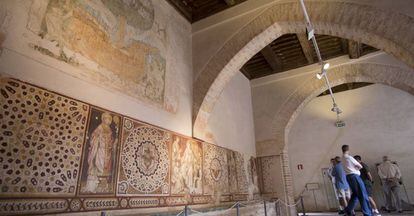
{"x": 358, "y": 193}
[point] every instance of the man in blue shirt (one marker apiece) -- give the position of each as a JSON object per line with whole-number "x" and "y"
{"x": 342, "y": 187}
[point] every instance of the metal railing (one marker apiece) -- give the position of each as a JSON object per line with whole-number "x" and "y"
{"x": 237, "y": 207}
{"x": 278, "y": 205}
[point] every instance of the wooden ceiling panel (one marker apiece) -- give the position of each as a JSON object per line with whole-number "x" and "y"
{"x": 195, "y": 10}
{"x": 292, "y": 51}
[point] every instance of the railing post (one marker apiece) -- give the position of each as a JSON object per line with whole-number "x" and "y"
{"x": 238, "y": 209}
{"x": 277, "y": 208}
{"x": 265, "y": 210}
{"x": 303, "y": 206}
{"x": 186, "y": 210}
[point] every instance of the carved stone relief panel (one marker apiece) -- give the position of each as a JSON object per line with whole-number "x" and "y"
{"x": 144, "y": 167}
{"x": 41, "y": 137}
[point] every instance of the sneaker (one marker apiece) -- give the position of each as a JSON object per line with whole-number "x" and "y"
{"x": 376, "y": 212}
{"x": 341, "y": 212}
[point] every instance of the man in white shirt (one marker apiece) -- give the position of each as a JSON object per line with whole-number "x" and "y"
{"x": 352, "y": 167}
{"x": 390, "y": 175}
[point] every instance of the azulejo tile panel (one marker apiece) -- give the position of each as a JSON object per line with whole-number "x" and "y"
{"x": 144, "y": 167}
{"x": 42, "y": 135}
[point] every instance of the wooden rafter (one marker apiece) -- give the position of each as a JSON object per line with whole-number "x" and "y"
{"x": 272, "y": 59}
{"x": 354, "y": 49}
{"x": 306, "y": 47}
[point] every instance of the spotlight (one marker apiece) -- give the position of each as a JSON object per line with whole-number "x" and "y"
{"x": 326, "y": 66}
{"x": 340, "y": 124}
{"x": 336, "y": 109}
{"x": 320, "y": 75}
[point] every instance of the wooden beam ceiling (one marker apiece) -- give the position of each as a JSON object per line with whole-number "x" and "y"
{"x": 346, "y": 87}
{"x": 271, "y": 58}
{"x": 306, "y": 47}
{"x": 195, "y": 10}
{"x": 354, "y": 49}
{"x": 294, "y": 50}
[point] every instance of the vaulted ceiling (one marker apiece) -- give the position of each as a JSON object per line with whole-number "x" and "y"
{"x": 195, "y": 10}
{"x": 292, "y": 51}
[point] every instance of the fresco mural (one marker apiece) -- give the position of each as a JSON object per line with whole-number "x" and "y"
{"x": 119, "y": 45}
{"x": 231, "y": 161}
{"x": 269, "y": 166}
{"x": 64, "y": 155}
{"x": 241, "y": 171}
{"x": 253, "y": 175}
{"x": 186, "y": 167}
{"x": 100, "y": 154}
{"x": 215, "y": 170}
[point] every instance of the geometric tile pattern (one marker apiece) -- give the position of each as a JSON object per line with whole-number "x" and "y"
{"x": 45, "y": 139}
{"x": 41, "y": 140}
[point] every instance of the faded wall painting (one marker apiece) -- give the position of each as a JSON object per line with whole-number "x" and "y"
{"x": 100, "y": 154}
{"x": 41, "y": 139}
{"x": 215, "y": 170}
{"x": 60, "y": 155}
{"x": 270, "y": 167}
{"x": 115, "y": 44}
{"x": 186, "y": 166}
{"x": 232, "y": 166}
{"x": 144, "y": 167}
{"x": 242, "y": 181}
{"x": 253, "y": 175}
{"x": 238, "y": 182}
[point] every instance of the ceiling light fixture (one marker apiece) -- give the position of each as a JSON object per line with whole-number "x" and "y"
{"x": 324, "y": 65}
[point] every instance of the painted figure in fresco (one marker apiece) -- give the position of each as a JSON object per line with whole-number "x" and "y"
{"x": 188, "y": 165}
{"x": 100, "y": 155}
{"x": 231, "y": 161}
{"x": 254, "y": 178}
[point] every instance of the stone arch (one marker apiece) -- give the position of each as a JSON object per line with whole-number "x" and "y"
{"x": 394, "y": 76}
{"x": 386, "y": 30}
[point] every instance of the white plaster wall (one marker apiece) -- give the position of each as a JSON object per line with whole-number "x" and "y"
{"x": 231, "y": 122}
{"x": 379, "y": 121}
{"x": 270, "y": 93}
{"x": 18, "y": 60}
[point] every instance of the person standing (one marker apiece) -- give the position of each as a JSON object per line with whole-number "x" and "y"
{"x": 390, "y": 175}
{"x": 368, "y": 181}
{"x": 341, "y": 185}
{"x": 352, "y": 167}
